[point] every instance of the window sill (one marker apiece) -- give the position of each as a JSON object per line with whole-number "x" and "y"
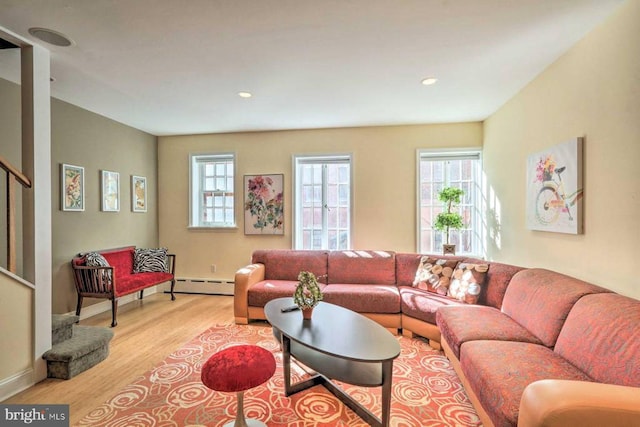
{"x": 231, "y": 228}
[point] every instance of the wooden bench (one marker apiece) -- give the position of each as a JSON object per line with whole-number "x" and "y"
{"x": 118, "y": 279}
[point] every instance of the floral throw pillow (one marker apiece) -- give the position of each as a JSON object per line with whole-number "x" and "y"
{"x": 150, "y": 260}
{"x": 434, "y": 275}
{"x": 94, "y": 259}
{"x": 467, "y": 281}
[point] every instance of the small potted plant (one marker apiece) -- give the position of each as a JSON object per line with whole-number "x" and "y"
{"x": 447, "y": 220}
{"x": 308, "y": 294}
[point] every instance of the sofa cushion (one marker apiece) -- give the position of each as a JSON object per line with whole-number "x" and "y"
{"x": 287, "y": 264}
{"x": 94, "y": 259}
{"x": 459, "y": 324}
{"x": 434, "y": 274}
{"x": 152, "y": 260}
{"x": 121, "y": 260}
{"x": 601, "y": 336}
{"x": 499, "y": 371}
{"x": 363, "y": 298}
{"x": 407, "y": 265}
{"x": 423, "y": 305}
{"x": 134, "y": 282}
{"x": 262, "y": 292}
{"x": 468, "y": 279}
{"x": 540, "y": 300}
{"x": 362, "y": 267}
{"x": 495, "y": 285}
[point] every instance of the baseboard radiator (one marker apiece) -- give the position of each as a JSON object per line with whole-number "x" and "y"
{"x": 200, "y": 285}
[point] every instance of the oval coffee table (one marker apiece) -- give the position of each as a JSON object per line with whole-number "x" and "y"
{"x": 338, "y": 344}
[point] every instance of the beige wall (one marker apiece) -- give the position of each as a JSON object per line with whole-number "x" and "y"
{"x": 592, "y": 91}
{"x": 82, "y": 138}
{"x": 384, "y": 171}
{"x": 16, "y": 309}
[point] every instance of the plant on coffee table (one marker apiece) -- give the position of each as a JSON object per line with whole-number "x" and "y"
{"x": 308, "y": 293}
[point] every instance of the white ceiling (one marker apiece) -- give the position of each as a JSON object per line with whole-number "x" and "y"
{"x": 175, "y": 67}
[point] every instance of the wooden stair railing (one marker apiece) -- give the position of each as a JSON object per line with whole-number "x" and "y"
{"x": 13, "y": 176}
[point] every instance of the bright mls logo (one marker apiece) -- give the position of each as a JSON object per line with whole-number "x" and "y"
{"x": 34, "y": 415}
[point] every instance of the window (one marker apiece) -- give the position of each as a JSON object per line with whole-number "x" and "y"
{"x": 322, "y": 202}
{"x": 212, "y": 193}
{"x": 438, "y": 169}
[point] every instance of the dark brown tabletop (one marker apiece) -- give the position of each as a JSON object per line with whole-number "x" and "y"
{"x": 335, "y": 331}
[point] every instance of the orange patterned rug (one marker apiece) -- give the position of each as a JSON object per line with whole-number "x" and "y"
{"x": 426, "y": 391}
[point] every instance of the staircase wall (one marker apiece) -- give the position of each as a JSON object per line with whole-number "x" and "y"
{"x": 16, "y": 310}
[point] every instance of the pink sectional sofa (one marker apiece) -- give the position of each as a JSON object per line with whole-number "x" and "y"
{"x": 559, "y": 352}
{"x": 538, "y": 348}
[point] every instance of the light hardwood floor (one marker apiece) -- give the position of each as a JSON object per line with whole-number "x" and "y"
{"x": 148, "y": 330}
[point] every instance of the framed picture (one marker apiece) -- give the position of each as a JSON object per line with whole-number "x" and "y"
{"x": 264, "y": 204}
{"x": 110, "y": 191}
{"x": 72, "y": 187}
{"x": 554, "y": 188}
{"x": 138, "y": 193}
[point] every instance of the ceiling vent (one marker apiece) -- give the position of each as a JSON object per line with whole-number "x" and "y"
{"x": 52, "y": 37}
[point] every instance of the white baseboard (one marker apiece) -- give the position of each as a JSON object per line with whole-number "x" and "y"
{"x": 105, "y": 305}
{"x": 16, "y": 383}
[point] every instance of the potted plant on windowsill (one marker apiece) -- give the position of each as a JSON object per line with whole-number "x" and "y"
{"x": 449, "y": 219}
{"x": 307, "y": 294}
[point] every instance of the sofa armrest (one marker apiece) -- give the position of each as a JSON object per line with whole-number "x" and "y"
{"x": 245, "y": 278}
{"x": 552, "y": 403}
{"x": 94, "y": 281}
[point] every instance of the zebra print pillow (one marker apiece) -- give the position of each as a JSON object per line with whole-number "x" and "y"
{"x": 94, "y": 259}
{"x": 150, "y": 260}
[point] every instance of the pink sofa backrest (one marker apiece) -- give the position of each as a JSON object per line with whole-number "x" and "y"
{"x": 495, "y": 285}
{"x": 540, "y": 300}
{"x": 602, "y": 337}
{"x": 284, "y": 264}
{"x": 362, "y": 267}
{"x": 496, "y": 282}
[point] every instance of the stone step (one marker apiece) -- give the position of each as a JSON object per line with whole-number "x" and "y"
{"x": 61, "y": 327}
{"x": 88, "y": 346}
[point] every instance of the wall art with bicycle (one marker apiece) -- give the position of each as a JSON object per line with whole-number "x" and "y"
{"x": 554, "y": 188}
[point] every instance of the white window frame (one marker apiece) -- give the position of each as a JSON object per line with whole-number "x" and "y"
{"x": 477, "y": 225}
{"x": 196, "y": 183}
{"x": 297, "y": 183}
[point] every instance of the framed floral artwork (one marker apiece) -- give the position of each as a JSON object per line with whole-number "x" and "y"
{"x": 110, "y": 191}
{"x": 72, "y": 187}
{"x": 264, "y": 204}
{"x": 138, "y": 193}
{"x": 554, "y": 188}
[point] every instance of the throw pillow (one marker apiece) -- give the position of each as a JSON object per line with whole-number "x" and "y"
{"x": 467, "y": 282}
{"x": 434, "y": 275}
{"x": 150, "y": 260}
{"x": 94, "y": 259}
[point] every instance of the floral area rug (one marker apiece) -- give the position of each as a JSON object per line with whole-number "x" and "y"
{"x": 426, "y": 391}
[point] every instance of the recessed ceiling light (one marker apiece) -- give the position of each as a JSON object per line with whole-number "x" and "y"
{"x": 429, "y": 81}
{"x": 52, "y": 37}
{"x": 245, "y": 94}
